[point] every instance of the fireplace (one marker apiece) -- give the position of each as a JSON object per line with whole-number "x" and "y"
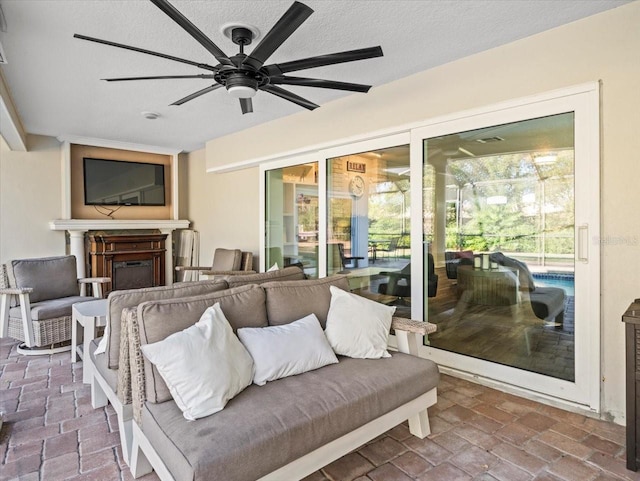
{"x": 131, "y": 261}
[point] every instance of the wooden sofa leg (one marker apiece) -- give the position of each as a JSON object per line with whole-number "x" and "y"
{"x": 98, "y": 397}
{"x": 419, "y": 425}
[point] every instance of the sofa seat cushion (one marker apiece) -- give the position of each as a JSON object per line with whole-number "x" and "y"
{"x": 272, "y": 425}
{"x": 51, "y": 309}
{"x": 100, "y": 365}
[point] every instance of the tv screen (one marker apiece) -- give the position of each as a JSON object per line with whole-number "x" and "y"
{"x": 115, "y": 182}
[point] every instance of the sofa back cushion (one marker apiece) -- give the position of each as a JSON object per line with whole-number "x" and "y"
{"x": 242, "y": 306}
{"x": 119, "y": 300}
{"x": 50, "y": 277}
{"x": 288, "y": 301}
{"x": 292, "y": 273}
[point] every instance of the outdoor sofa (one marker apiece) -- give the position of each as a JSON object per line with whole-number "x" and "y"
{"x": 287, "y": 428}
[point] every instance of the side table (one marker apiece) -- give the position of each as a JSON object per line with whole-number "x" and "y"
{"x": 631, "y": 318}
{"x": 88, "y": 316}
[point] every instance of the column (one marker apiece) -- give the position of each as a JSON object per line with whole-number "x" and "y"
{"x": 168, "y": 260}
{"x": 76, "y": 247}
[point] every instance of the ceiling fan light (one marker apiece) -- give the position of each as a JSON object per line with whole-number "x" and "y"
{"x": 241, "y": 91}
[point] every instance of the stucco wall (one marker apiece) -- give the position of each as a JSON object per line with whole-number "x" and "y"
{"x": 602, "y": 47}
{"x": 30, "y": 197}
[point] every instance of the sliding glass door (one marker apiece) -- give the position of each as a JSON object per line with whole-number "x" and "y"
{"x": 483, "y": 223}
{"x": 509, "y": 205}
{"x": 292, "y": 217}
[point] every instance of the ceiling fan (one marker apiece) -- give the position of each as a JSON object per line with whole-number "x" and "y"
{"x": 243, "y": 75}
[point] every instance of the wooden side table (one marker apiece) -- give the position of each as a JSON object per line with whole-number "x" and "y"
{"x": 88, "y": 315}
{"x": 631, "y": 318}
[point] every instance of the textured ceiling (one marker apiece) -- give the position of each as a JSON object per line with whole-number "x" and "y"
{"x": 54, "y": 79}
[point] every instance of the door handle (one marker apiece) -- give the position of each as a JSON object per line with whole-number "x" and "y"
{"x": 583, "y": 243}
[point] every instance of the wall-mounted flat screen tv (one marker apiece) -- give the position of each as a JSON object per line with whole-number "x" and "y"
{"x": 116, "y": 182}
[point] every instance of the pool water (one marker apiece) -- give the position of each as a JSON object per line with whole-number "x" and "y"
{"x": 565, "y": 281}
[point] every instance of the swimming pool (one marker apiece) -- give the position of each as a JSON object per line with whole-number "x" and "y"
{"x": 554, "y": 279}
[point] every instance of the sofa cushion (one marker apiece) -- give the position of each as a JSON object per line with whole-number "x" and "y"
{"x": 286, "y": 274}
{"x": 119, "y": 300}
{"x": 281, "y": 351}
{"x": 243, "y": 306}
{"x": 329, "y": 403}
{"x": 288, "y": 301}
{"x": 50, "y": 277}
{"x": 358, "y": 327}
{"x": 204, "y": 365}
{"x": 51, "y": 308}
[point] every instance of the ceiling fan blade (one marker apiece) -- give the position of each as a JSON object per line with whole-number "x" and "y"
{"x": 246, "y": 105}
{"x": 159, "y": 77}
{"x": 281, "y": 31}
{"x": 148, "y": 52}
{"x": 325, "y": 84}
{"x": 291, "y": 97}
{"x": 192, "y": 30}
{"x": 197, "y": 94}
{"x": 322, "y": 60}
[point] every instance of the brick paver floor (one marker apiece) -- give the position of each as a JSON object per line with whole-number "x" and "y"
{"x": 51, "y": 432}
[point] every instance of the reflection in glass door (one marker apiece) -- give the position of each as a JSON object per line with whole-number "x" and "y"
{"x": 368, "y": 224}
{"x": 291, "y": 220}
{"x": 499, "y": 220}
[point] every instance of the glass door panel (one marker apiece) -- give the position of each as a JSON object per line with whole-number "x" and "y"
{"x": 291, "y": 217}
{"x": 499, "y": 221}
{"x": 368, "y": 228}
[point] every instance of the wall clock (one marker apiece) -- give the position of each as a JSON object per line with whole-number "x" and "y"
{"x": 356, "y": 186}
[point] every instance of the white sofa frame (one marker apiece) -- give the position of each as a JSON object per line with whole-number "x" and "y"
{"x": 145, "y": 459}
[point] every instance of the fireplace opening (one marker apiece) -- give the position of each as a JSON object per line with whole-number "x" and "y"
{"x": 132, "y": 274}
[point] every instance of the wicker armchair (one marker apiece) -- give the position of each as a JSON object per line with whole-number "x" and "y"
{"x": 36, "y": 298}
{"x": 225, "y": 262}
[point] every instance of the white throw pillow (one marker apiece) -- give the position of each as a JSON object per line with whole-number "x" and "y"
{"x": 274, "y": 267}
{"x": 358, "y": 327}
{"x": 204, "y": 366}
{"x": 281, "y": 351}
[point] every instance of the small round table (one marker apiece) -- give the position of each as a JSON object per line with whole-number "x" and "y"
{"x": 89, "y": 315}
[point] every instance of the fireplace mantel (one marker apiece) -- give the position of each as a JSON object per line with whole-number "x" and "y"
{"x": 78, "y": 227}
{"x": 116, "y": 224}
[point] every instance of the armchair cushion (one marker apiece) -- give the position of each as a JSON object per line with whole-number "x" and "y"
{"x": 227, "y": 260}
{"x": 50, "y": 308}
{"x": 50, "y": 277}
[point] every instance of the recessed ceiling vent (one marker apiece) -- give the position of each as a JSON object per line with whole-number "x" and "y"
{"x": 488, "y": 140}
